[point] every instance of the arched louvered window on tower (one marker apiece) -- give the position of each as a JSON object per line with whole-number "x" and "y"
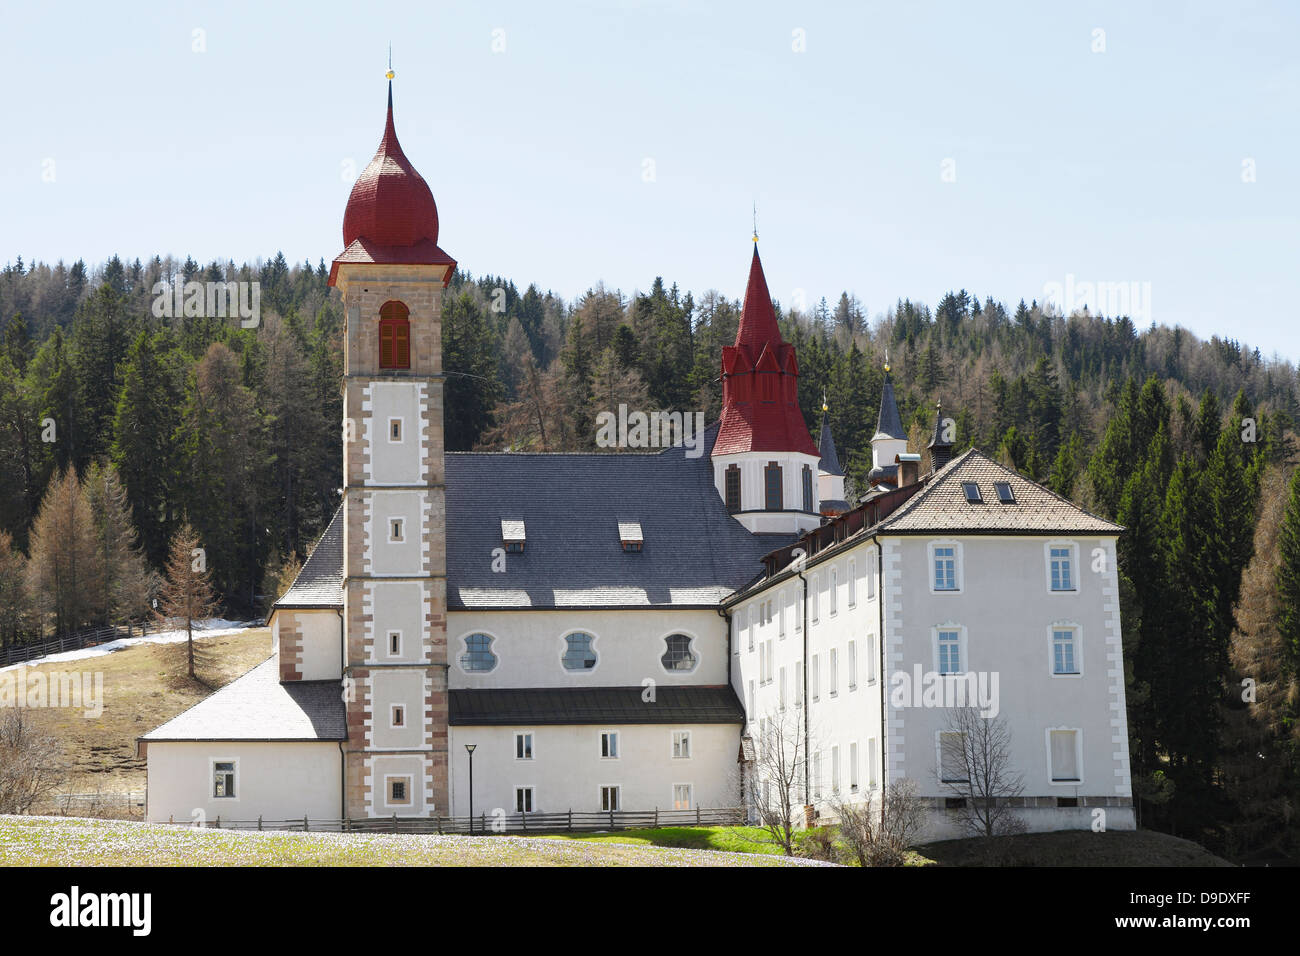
{"x": 394, "y": 336}
{"x": 772, "y": 487}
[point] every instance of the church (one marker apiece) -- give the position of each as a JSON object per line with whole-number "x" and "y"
{"x": 635, "y": 631}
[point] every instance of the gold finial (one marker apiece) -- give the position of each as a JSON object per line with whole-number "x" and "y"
{"x": 886, "y": 358}
{"x": 756, "y": 222}
{"x": 390, "y": 74}
{"x": 825, "y": 407}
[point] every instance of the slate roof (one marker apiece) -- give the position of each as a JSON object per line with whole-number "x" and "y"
{"x": 320, "y": 582}
{"x": 694, "y": 552}
{"x": 258, "y": 707}
{"x": 830, "y": 463}
{"x": 595, "y": 705}
{"x": 942, "y": 505}
{"x": 889, "y": 423}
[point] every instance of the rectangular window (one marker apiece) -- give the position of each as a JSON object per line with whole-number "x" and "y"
{"x": 798, "y": 683}
{"x": 1062, "y": 579}
{"x": 681, "y": 796}
{"x": 853, "y": 767}
{"x": 609, "y": 798}
{"x": 817, "y": 774}
{"x": 399, "y": 790}
{"x": 871, "y": 574}
{"x": 853, "y": 582}
{"x": 523, "y": 746}
{"x": 945, "y": 569}
{"x": 749, "y": 705}
{"x": 798, "y": 609}
{"x": 223, "y": 779}
{"x": 950, "y": 652}
{"x": 398, "y": 716}
{"x": 834, "y": 591}
{"x": 781, "y": 688}
{"x": 1063, "y": 651}
{"x": 768, "y": 644}
{"x": 1005, "y": 494}
{"x": 751, "y": 626}
{"x": 952, "y": 762}
{"x": 814, "y": 611}
{"x": 871, "y": 763}
{"x": 814, "y": 678}
{"x": 609, "y": 744}
{"x": 772, "y": 487}
{"x": 395, "y": 430}
{"x": 732, "y": 485}
{"x": 394, "y": 643}
{"x": 1065, "y": 756}
{"x": 835, "y": 769}
{"x": 681, "y": 744}
{"x": 871, "y": 658}
{"x": 834, "y": 683}
{"x": 853, "y": 665}
{"x": 807, "y": 489}
{"x": 780, "y": 625}
{"x": 972, "y": 492}
{"x": 523, "y": 799}
{"x": 396, "y": 528}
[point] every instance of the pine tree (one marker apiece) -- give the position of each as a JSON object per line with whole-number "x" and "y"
{"x": 124, "y": 581}
{"x": 1288, "y": 578}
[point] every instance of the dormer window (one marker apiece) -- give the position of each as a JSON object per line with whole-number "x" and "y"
{"x": 1005, "y": 494}
{"x": 629, "y": 535}
{"x": 394, "y": 336}
{"x": 512, "y": 535}
{"x": 972, "y": 492}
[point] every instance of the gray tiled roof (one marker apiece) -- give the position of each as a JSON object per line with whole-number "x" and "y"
{"x": 830, "y": 462}
{"x": 889, "y": 423}
{"x": 694, "y": 552}
{"x": 942, "y": 506}
{"x": 258, "y": 707}
{"x": 320, "y": 582}
{"x": 595, "y": 705}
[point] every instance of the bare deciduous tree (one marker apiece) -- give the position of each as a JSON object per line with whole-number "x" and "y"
{"x": 186, "y": 595}
{"x": 31, "y": 762}
{"x": 882, "y": 839}
{"x": 777, "y": 780}
{"x": 976, "y": 760}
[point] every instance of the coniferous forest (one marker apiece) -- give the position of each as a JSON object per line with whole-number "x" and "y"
{"x": 117, "y": 428}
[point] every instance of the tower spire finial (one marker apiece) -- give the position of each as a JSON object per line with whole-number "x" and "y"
{"x": 825, "y": 407}
{"x": 756, "y": 222}
{"x": 390, "y": 74}
{"x": 886, "y": 358}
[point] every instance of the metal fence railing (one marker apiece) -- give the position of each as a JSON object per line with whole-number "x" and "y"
{"x": 17, "y": 653}
{"x": 576, "y": 821}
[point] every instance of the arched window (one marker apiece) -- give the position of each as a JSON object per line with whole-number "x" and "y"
{"x": 478, "y": 654}
{"x": 578, "y": 655}
{"x": 394, "y": 336}
{"x": 772, "y": 482}
{"x": 678, "y": 656}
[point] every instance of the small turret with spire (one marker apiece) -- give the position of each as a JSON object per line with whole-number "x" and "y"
{"x": 890, "y": 439}
{"x": 940, "y": 444}
{"x": 830, "y": 476}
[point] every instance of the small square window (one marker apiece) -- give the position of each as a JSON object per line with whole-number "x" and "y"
{"x": 523, "y": 799}
{"x": 394, "y": 429}
{"x": 397, "y": 791}
{"x": 972, "y": 491}
{"x": 609, "y": 798}
{"x": 223, "y": 779}
{"x": 1005, "y": 494}
{"x": 399, "y": 716}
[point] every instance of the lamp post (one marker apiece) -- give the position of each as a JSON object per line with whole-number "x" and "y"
{"x": 469, "y": 748}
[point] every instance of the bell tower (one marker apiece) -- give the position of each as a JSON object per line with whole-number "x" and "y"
{"x": 392, "y": 274}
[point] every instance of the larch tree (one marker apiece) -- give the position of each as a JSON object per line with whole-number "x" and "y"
{"x": 63, "y": 570}
{"x": 125, "y": 581}
{"x": 186, "y": 594}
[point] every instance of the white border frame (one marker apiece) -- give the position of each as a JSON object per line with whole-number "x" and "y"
{"x": 695, "y": 642}
{"x": 938, "y": 760}
{"x": 514, "y": 743}
{"x": 564, "y": 647}
{"x": 618, "y": 791}
{"x": 212, "y": 778}
{"x": 533, "y": 800}
{"x": 690, "y": 743}
{"x": 464, "y": 644}
{"x": 1078, "y": 756}
{"x": 964, "y": 663}
{"x": 388, "y": 524}
{"x": 1078, "y": 649}
{"x": 401, "y": 430}
{"x": 618, "y": 744}
{"x": 672, "y": 794}
{"x": 409, "y": 802}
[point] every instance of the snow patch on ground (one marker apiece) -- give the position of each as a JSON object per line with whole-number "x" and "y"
{"x": 212, "y": 627}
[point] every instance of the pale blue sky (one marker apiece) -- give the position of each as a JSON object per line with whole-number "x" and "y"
{"x": 1119, "y": 166}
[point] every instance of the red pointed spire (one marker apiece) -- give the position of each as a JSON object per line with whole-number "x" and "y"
{"x": 758, "y": 318}
{"x": 760, "y": 408}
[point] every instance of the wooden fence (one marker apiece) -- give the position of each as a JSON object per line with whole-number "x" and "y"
{"x": 17, "y": 653}
{"x": 573, "y": 821}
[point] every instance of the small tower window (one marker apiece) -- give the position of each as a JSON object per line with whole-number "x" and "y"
{"x": 733, "y": 488}
{"x": 772, "y": 486}
{"x": 394, "y": 336}
{"x": 396, "y": 528}
{"x": 807, "y": 489}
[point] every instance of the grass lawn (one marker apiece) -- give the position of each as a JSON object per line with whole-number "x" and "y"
{"x": 144, "y": 686}
{"x": 69, "y": 841}
{"x": 732, "y": 839}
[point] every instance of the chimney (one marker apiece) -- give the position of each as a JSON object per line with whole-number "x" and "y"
{"x": 909, "y": 469}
